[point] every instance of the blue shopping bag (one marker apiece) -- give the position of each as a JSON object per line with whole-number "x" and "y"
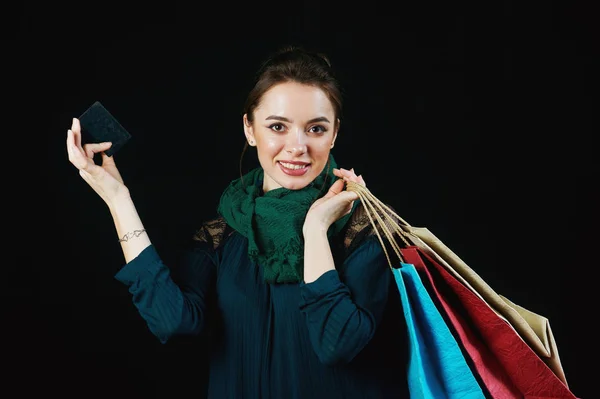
{"x": 437, "y": 368}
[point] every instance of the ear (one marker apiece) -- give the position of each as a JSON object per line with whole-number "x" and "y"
{"x": 335, "y": 133}
{"x": 248, "y": 131}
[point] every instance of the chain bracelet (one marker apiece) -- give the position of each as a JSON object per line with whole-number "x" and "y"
{"x": 134, "y": 233}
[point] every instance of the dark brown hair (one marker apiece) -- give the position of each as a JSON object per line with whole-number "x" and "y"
{"x": 294, "y": 64}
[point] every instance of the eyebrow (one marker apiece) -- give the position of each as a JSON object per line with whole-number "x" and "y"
{"x": 284, "y": 119}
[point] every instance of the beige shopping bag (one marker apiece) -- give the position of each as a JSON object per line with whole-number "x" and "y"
{"x": 533, "y": 328}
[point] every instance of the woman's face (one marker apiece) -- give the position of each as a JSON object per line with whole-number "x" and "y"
{"x": 293, "y": 131}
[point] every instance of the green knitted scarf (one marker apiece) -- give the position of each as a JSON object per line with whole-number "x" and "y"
{"x": 272, "y": 222}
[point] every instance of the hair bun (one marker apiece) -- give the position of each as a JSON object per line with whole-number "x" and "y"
{"x": 324, "y": 58}
{"x": 291, "y": 49}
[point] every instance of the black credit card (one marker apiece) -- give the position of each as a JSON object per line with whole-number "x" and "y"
{"x": 102, "y": 126}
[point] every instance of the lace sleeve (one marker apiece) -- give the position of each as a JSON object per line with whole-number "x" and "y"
{"x": 213, "y": 232}
{"x": 359, "y": 227}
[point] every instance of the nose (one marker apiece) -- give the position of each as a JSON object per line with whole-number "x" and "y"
{"x": 296, "y": 143}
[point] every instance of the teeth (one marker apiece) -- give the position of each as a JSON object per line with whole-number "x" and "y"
{"x": 292, "y": 166}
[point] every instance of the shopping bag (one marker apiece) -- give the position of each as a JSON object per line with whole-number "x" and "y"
{"x": 494, "y": 378}
{"x": 528, "y": 372}
{"x": 533, "y": 328}
{"x": 437, "y": 368}
{"x": 481, "y": 303}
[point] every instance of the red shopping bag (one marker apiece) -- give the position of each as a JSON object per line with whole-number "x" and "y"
{"x": 492, "y": 374}
{"x": 532, "y": 327}
{"x": 521, "y": 341}
{"x": 528, "y": 373}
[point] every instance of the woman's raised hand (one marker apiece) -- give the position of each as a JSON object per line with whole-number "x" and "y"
{"x": 336, "y": 203}
{"x": 104, "y": 179}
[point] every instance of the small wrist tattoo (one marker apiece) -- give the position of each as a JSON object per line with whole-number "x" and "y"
{"x": 130, "y": 235}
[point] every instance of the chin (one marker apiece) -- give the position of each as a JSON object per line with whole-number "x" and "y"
{"x": 281, "y": 179}
{"x": 296, "y": 185}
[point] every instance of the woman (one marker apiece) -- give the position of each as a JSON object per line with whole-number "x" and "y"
{"x": 289, "y": 278}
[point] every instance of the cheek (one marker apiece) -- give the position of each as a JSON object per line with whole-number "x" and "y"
{"x": 322, "y": 147}
{"x": 270, "y": 146}
{"x": 271, "y": 143}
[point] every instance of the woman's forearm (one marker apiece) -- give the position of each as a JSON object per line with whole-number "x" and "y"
{"x": 341, "y": 315}
{"x": 130, "y": 230}
{"x": 318, "y": 258}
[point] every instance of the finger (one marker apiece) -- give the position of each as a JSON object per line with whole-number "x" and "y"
{"x": 93, "y": 148}
{"x": 335, "y": 189}
{"x": 347, "y": 197}
{"x": 342, "y": 173}
{"x": 80, "y": 161}
{"x": 76, "y": 129}
{"x": 362, "y": 181}
{"x": 69, "y": 142}
{"x": 348, "y": 173}
{"x": 106, "y": 159}
{"x": 78, "y": 158}
{"x": 72, "y": 150}
{"x": 75, "y": 125}
{"x": 357, "y": 179}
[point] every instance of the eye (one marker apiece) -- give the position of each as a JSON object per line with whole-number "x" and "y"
{"x": 277, "y": 127}
{"x": 318, "y": 129}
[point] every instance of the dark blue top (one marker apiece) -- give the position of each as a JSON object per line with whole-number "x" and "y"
{"x": 340, "y": 336}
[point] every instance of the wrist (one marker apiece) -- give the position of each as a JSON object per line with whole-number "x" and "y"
{"x": 311, "y": 228}
{"x": 119, "y": 201}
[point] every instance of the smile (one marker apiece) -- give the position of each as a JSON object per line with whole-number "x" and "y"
{"x": 293, "y": 169}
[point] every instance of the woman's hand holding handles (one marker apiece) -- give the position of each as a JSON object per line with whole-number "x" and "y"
{"x": 335, "y": 204}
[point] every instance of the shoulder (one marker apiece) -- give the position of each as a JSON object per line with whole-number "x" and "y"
{"x": 213, "y": 231}
{"x": 359, "y": 228}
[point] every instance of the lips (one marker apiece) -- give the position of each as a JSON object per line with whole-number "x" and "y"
{"x": 293, "y": 168}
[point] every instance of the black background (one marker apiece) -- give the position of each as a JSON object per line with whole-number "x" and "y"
{"x": 475, "y": 119}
